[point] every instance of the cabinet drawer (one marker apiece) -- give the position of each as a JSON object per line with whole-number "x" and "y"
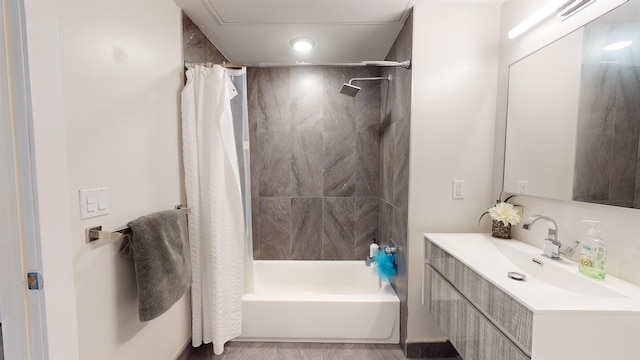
{"x": 514, "y": 319}
{"x": 473, "y": 335}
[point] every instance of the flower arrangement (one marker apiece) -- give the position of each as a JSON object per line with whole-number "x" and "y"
{"x": 504, "y": 214}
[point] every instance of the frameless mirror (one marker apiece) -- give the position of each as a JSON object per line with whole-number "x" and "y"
{"x": 573, "y": 115}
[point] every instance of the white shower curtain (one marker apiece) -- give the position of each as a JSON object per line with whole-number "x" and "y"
{"x": 216, "y": 219}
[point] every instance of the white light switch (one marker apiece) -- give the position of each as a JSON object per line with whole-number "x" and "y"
{"x": 522, "y": 186}
{"x": 103, "y": 199}
{"x": 94, "y": 202}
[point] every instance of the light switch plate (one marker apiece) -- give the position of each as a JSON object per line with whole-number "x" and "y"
{"x": 523, "y": 186}
{"x": 94, "y": 202}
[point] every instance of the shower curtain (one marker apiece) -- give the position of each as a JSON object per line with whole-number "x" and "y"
{"x": 217, "y": 230}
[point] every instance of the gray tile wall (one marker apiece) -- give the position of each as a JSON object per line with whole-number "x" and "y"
{"x": 323, "y": 162}
{"x": 394, "y": 162}
{"x": 196, "y": 47}
{"x": 314, "y": 163}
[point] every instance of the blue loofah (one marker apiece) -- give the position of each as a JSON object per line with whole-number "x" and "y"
{"x": 384, "y": 266}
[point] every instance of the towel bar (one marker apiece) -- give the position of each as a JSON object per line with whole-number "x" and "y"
{"x": 96, "y": 233}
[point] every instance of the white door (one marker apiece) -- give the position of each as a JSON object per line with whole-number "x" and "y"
{"x": 21, "y": 310}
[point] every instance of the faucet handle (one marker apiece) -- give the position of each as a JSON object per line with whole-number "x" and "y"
{"x": 554, "y": 241}
{"x": 551, "y": 248}
{"x": 568, "y": 251}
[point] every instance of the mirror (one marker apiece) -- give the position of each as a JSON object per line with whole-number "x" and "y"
{"x": 573, "y": 115}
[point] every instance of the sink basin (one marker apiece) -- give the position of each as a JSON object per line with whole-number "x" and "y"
{"x": 570, "y": 310}
{"x": 560, "y": 273}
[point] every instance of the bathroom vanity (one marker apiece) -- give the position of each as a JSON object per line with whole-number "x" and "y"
{"x": 500, "y": 299}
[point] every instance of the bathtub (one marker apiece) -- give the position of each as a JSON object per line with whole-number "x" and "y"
{"x": 319, "y": 301}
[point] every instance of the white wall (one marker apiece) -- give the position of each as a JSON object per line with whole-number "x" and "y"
{"x": 111, "y": 71}
{"x": 620, "y": 226}
{"x": 455, "y": 63}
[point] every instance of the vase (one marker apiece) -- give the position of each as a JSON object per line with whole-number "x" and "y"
{"x": 500, "y": 230}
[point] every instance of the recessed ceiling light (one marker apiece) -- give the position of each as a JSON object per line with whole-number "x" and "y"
{"x": 618, "y": 45}
{"x": 302, "y": 44}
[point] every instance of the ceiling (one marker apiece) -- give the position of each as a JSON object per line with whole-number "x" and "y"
{"x": 260, "y": 31}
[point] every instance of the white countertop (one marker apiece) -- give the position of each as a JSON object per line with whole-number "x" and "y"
{"x": 565, "y": 288}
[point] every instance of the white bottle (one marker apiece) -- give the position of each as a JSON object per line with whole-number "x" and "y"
{"x": 593, "y": 254}
{"x": 374, "y": 248}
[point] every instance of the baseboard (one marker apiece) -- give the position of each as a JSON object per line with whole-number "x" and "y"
{"x": 443, "y": 349}
{"x": 185, "y": 354}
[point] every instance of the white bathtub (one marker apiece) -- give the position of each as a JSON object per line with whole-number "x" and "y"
{"x": 319, "y": 301}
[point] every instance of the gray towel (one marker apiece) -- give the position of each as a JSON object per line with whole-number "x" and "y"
{"x": 158, "y": 246}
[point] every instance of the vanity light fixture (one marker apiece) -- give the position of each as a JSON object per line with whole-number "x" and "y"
{"x": 537, "y": 17}
{"x": 572, "y": 7}
{"x": 618, "y": 45}
{"x": 302, "y": 44}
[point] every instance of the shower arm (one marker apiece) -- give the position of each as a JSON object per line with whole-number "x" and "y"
{"x": 370, "y": 79}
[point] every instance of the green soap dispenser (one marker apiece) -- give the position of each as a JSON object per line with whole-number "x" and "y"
{"x": 593, "y": 255}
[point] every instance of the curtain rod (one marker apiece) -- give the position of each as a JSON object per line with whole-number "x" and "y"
{"x": 404, "y": 64}
{"x": 211, "y": 64}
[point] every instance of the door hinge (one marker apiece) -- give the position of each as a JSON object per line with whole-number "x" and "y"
{"x": 34, "y": 280}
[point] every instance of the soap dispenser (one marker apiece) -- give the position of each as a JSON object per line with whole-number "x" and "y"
{"x": 593, "y": 255}
{"x": 373, "y": 249}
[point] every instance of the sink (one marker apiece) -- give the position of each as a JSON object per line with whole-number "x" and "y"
{"x": 566, "y": 308}
{"x": 560, "y": 273}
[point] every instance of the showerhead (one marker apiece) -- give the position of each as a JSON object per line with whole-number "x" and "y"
{"x": 352, "y": 90}
{"x": 348, "y": 89}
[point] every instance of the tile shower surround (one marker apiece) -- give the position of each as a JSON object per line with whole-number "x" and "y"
{"x": 371, "y": 202}
{"x": 388, "y": 183}
{"x": 195, "y": 45}
{"x": 314, "y": 163}
{"x": 394, "y": 180}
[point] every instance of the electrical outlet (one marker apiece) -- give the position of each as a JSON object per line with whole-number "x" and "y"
{"x": 458, "y": 189}
{"x": 522, "y": 186}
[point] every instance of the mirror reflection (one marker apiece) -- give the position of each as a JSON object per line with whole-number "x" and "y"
{"x": 573, "y": 118}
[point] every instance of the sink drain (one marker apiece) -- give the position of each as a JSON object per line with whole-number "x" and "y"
{"x": 516, "y": 276}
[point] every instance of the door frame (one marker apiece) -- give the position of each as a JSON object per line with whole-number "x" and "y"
{"x": 22, "y": 310}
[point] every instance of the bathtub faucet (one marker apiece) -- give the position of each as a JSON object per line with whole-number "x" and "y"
{"x": 553, "y": 248}
{"x": 392, "y": 248}
{"x": 369, "y": 260}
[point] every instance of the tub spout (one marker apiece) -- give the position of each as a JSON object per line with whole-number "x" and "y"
{"x": 369, "y": 260}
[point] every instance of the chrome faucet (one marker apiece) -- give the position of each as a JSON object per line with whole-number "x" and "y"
{"x": 368, "y": 261}
{"x": 553, "y": 248}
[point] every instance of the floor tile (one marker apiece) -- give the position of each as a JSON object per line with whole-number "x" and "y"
{"x": 300, "y": 351}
